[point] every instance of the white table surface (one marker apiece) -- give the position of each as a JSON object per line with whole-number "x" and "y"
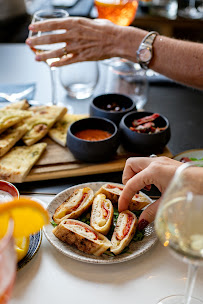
{"x": 50, "y": 278}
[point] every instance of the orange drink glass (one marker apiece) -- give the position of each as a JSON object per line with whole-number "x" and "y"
{"x": 7, "y": 264}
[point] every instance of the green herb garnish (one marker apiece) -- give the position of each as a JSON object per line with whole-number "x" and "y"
{"x": 139, "y": 235}
{"x": 53, "y": 223}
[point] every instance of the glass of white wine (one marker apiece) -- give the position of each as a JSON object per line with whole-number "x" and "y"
{"x": 179, "y": 224}
{"x": 43, "y": 15}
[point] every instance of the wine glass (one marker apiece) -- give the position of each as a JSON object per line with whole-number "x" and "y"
{"x": 43, "y": 15}
{"x": 120, "y": 12}
{"x": 7, "y": 264}
{"x": 190, "y": 11}
{"x": 179, "y": 224}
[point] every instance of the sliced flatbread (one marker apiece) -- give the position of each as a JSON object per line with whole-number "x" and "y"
{"x": 19, "y": 105}
{"x": 17, "y": 163}
{"x": 10, "y": 117}
{"x": 59, "y": 131}
{"x": 11, "y": 136}
{"x": 44, "y": 117}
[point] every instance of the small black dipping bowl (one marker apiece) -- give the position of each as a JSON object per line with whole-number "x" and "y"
{"x": 93, "y": 151}
{"x": 98, "y": 106}
{"x": 144, "y": 143}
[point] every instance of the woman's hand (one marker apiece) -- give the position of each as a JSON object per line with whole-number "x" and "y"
{"x": 140, "y": 172}
{"x": 85, "y": 39}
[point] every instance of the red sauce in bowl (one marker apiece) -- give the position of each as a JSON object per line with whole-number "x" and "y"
{"x": 93, "y": 134}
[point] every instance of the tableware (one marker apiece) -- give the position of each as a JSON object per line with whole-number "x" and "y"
{"x": 17, "y": 96}
{"x": 97, "y": 150}
{"x": 7, "y": 264}
{"x": 135, "y": 248}
{"x": 43, "y": 15}
{"x": 111, "y": 106}
{"x": 193, "y": 153}
{"x": 179, "y": 225}
{"x": 144, "y": 143}
{"x": 78, "y": 83}
{"x": 164, "y": 8}
{"x": 7, "y": 191}
{"x": 190, "y": 11}
{"x": 132, "y": 81}
{"x": 35, "y": 242}
{"x": 122, "y": 13}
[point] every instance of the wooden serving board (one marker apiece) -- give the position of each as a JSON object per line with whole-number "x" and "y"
{"x": 59, "y": 162}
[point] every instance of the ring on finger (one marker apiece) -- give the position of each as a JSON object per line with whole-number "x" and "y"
{"x": 64, "y": 49}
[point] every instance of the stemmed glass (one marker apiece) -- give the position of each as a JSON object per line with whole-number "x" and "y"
{"x": 43, "y": 15}
{"x": 179, "y": 224}
{"x": 190, "y": 11}
{"x": 7, "y": 264}
{"x": 120, "y": 12}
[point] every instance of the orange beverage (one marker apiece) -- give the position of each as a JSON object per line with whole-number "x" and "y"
{"x": 7, "y": 265}
{"x": 120, "y": 12}
{"x": 6, "y": 293}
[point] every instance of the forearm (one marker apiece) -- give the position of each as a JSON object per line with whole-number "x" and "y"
{"x": 176, "y": 59}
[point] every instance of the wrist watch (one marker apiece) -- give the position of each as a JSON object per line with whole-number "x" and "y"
{"x": 145, "y": 51}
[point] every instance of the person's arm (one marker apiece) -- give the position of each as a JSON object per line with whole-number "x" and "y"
{"x": 100, "y": 39}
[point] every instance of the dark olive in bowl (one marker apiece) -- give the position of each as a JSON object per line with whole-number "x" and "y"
{"x": 144, "y": 143}
{"x": 112, "y": 106}
{"x": 96, "y": 150}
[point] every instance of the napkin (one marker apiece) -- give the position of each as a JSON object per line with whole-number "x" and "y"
{"x": 9, "y": 88}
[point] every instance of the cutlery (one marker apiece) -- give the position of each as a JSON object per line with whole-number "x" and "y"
{"x": 17, "y": 96}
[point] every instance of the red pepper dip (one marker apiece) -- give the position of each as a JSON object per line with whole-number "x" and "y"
{"x": 93, "y": 134}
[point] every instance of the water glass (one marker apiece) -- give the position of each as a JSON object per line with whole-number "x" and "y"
{"x": 80, "y": 79}
{"x": 131, "y": 82}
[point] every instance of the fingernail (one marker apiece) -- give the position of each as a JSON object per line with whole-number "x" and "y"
{"x": 142, "y": 224}
{"x": 28, "y": 41}
{"x": 31, "y": 27}
{"x": 38, "y": 58}
{"x": 53, "y": 64}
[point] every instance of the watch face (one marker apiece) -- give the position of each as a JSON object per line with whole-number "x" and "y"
{"x": 145, "y": 55}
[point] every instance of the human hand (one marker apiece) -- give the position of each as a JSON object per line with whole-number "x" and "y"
{"x": 86, "y": 40}
{"x": 140, "y": 172}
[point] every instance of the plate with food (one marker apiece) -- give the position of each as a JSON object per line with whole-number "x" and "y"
{"x": 87, "y": 226}
{"x": 190, "y": 155}
{"x": 26, "y": 248}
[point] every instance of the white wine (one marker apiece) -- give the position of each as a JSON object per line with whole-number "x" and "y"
{"x": 179, "y": 225}
{"x": 48, "y": 47}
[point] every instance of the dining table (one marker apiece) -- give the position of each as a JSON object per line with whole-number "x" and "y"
{"x": 51, "y": 277}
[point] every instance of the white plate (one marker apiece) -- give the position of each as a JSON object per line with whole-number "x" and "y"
{"x": 135, "y": 248}
{"x": 196, "y": 153}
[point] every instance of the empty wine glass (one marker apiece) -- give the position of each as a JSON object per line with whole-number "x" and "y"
{"x": 179, "y": 224}
{"x": 190, "y": 11}
{"x": 43, "y": 15}
{"x": 7, "y": 264}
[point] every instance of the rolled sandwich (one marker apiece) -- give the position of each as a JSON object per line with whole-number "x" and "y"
{"x": 81, "y": 235}
{"x": 113, "y": 192}
{"x": 123, "y": 232}
{"x": 79, "y": 201}
{"x": 102, "y": 214}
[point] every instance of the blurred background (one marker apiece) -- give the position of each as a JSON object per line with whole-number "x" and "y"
{"x": 174, "y": 18}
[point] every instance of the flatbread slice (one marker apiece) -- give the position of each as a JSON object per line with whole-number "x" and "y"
{"x": 19, "y": 105}
{"x": 11, "y": 136}
{"x": 59, "y": 131}
{"x": 10, "y": 117}
{"x": 44, "y": 117}
{"x": 17, "y": 163}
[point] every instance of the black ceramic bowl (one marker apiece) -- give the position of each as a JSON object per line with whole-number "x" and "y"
{"x": 99, "y": 105}
{"x": 144, "y": 143}
{"x": 93, "y": 151}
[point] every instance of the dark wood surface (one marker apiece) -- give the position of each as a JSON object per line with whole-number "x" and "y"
{"x": 183, "y": 107}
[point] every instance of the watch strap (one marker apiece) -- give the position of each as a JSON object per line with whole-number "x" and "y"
{"x": 147, "y": 42}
